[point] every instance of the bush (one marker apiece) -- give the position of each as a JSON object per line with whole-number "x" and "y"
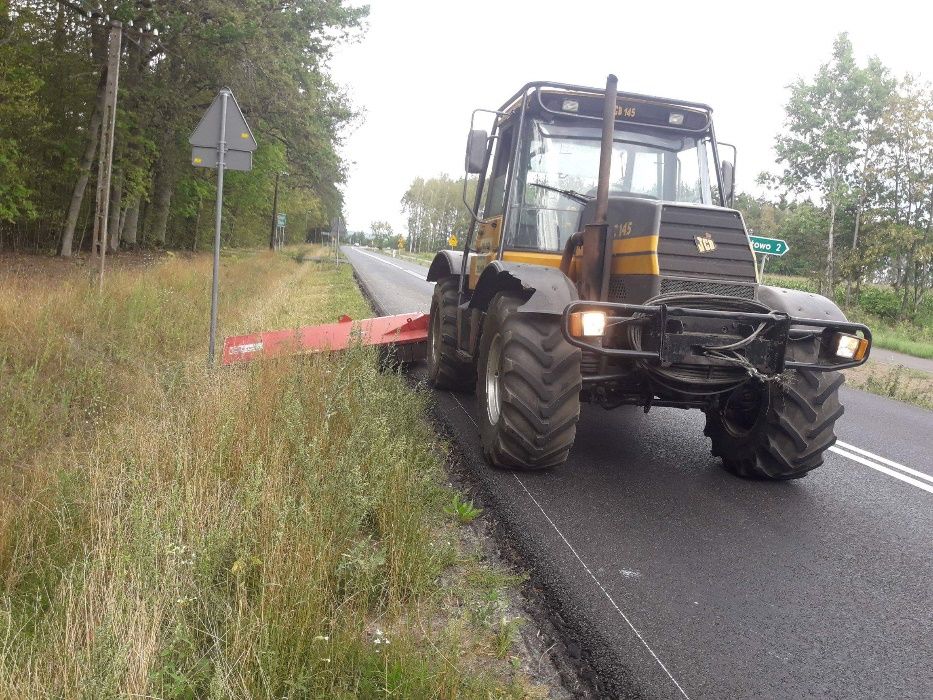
{"x": 880, "y": 302}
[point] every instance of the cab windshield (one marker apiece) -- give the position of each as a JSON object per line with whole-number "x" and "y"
{"x": 560, "y": 169}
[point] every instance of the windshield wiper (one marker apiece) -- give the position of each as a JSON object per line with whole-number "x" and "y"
{"x": 575, "y": 196}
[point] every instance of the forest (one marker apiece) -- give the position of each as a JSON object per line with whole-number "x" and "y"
{"x": 175, "y": 56}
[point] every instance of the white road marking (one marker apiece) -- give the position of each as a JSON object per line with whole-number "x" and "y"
{"x": 585, "y": 567}
{"x": 884, "y": 470}
{"x": 883, "y": 460}
{"x": 417, "y": 275}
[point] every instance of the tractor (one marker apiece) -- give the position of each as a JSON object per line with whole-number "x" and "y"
{"x": 605, "y": 264}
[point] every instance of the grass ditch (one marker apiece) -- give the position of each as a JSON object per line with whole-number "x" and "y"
{"x": 276, "y": 530}
{"x": 897, "y": 382}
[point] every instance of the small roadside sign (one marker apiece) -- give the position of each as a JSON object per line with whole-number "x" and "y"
{"x": 222, "y": 140}
{"x": 280, "y": 220}
{"x": 401, "y": 243}
{"x": 769, "y": 246}
{"x": 452, "y": 241}
{"x": 239, "y": 142}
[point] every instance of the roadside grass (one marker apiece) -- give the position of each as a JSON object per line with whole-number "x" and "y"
{"x": 899, "y": 339}
{"x": 908, "y": 338}
{"x": 898, "y": 382}
{"x": 275, "y": 530}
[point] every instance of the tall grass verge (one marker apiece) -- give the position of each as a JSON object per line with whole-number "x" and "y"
{"x": 275, "y": 530}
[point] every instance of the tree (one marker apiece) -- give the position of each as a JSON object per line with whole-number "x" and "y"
{"x": 382, "y": 234}
{"x": 821, "y": 144}
{"x": 435, "y": 210}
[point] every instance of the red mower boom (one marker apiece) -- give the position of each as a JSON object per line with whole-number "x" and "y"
{"x": 406, "y": 334}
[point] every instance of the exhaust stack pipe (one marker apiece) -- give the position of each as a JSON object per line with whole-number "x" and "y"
{"x": 605, "y": 149}
{"x": 597, "y": 245}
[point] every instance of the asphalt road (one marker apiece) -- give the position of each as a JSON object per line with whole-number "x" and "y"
{"x": 675, "y": 579}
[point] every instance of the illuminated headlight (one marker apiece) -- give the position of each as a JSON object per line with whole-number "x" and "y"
{"x": 676, "y": 118}
{"x": 570, "y": 106}
{"x": 849, "y": 347}
{"x": 587, "y": 324}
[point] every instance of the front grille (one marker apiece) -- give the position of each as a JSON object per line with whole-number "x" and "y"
{"x": 680, "y": 254}
{"x": 680, "y": 285}
{"x": 616, "y": 289}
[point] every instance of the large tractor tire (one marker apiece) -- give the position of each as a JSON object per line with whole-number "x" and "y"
{"x": 777, "y": 430}
{"x": 445, "y": 369}
{"x": 528, "y": 388}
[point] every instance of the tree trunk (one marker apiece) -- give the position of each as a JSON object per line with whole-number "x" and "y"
{"x": 131, "y": 223}
{"x": 829, "y": 247}
{"x": 161, "y": 203}
{"x": 84, "y": 169}
{"x": 858, "y": 219}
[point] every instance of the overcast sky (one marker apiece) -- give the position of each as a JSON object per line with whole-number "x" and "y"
{"x": 423, "y": 66}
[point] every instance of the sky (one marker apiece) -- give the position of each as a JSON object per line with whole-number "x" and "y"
{"x": 422, "y": 67}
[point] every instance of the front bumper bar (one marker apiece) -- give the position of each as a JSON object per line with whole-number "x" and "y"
{"x": 664, "y": 329}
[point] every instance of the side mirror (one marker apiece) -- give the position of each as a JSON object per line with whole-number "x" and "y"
{"x": 727, "y": 171}
{"x": 476, "y": 151}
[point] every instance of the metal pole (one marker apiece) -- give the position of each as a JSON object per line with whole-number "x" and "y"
{"x": 273, "y": 243}
{"x": 221, "y": 152}
{"x": 108, "y": 126}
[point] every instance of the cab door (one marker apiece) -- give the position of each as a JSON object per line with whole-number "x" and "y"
{"x": 485, "y": 245}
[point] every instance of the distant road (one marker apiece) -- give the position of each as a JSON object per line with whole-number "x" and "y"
{"x": 676, "y": 579}
{"x": 890, "y": 357}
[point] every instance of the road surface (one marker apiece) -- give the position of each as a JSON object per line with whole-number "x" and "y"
{"x": 674, "y": 579}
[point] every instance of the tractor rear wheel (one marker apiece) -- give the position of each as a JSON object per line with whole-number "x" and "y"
{"x": 528, "y": 388}
{"x": 445, "y": 369}
{"x": 777, "y": 430}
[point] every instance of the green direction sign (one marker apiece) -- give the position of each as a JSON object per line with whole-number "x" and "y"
{"x": 769, "y": 246}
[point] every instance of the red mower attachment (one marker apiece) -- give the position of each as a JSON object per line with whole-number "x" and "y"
{"x": 406, "y": 334}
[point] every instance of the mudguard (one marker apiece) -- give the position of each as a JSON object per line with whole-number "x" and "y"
{"x": 804, "y": 346}
{"x": 445, "y": 263}
{"x": 546, "y": 290}
{"x": 801, "y": 304}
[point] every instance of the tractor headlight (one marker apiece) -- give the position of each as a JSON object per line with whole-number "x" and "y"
{"x": 587, "y": 324}
{"x": 849, "y": 347}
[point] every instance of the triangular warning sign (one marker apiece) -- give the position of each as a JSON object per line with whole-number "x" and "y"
{"x": 239, "y": 136}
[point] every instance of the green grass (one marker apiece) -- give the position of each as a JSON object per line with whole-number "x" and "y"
{"x": 274, "y": 530}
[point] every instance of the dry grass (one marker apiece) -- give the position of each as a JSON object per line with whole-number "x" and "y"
{"x": 173, "y": 531}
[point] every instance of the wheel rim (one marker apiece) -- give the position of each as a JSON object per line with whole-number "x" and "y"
{"x": 493, "y": 372}
{"x": 744, "y": 409}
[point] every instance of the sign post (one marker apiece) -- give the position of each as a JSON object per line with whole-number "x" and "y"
{"x": 211, "y": 149}
{"x": 768, "y": 246}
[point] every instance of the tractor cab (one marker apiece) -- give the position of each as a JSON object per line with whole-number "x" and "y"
{"x": 539, "y": 171}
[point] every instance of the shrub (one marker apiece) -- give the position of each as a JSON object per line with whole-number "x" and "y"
{"x": 880, "y": 302}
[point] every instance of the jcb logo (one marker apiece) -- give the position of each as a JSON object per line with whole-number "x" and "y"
{"x": 705, "y": 243}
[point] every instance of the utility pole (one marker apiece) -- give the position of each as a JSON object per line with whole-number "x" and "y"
{"x": 105, "y": 159}
{"x": 273, "y": 238}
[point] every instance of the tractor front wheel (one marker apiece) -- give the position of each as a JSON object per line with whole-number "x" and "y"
{"x": 777, "y": 430}
{"x": 528, "y": 388}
